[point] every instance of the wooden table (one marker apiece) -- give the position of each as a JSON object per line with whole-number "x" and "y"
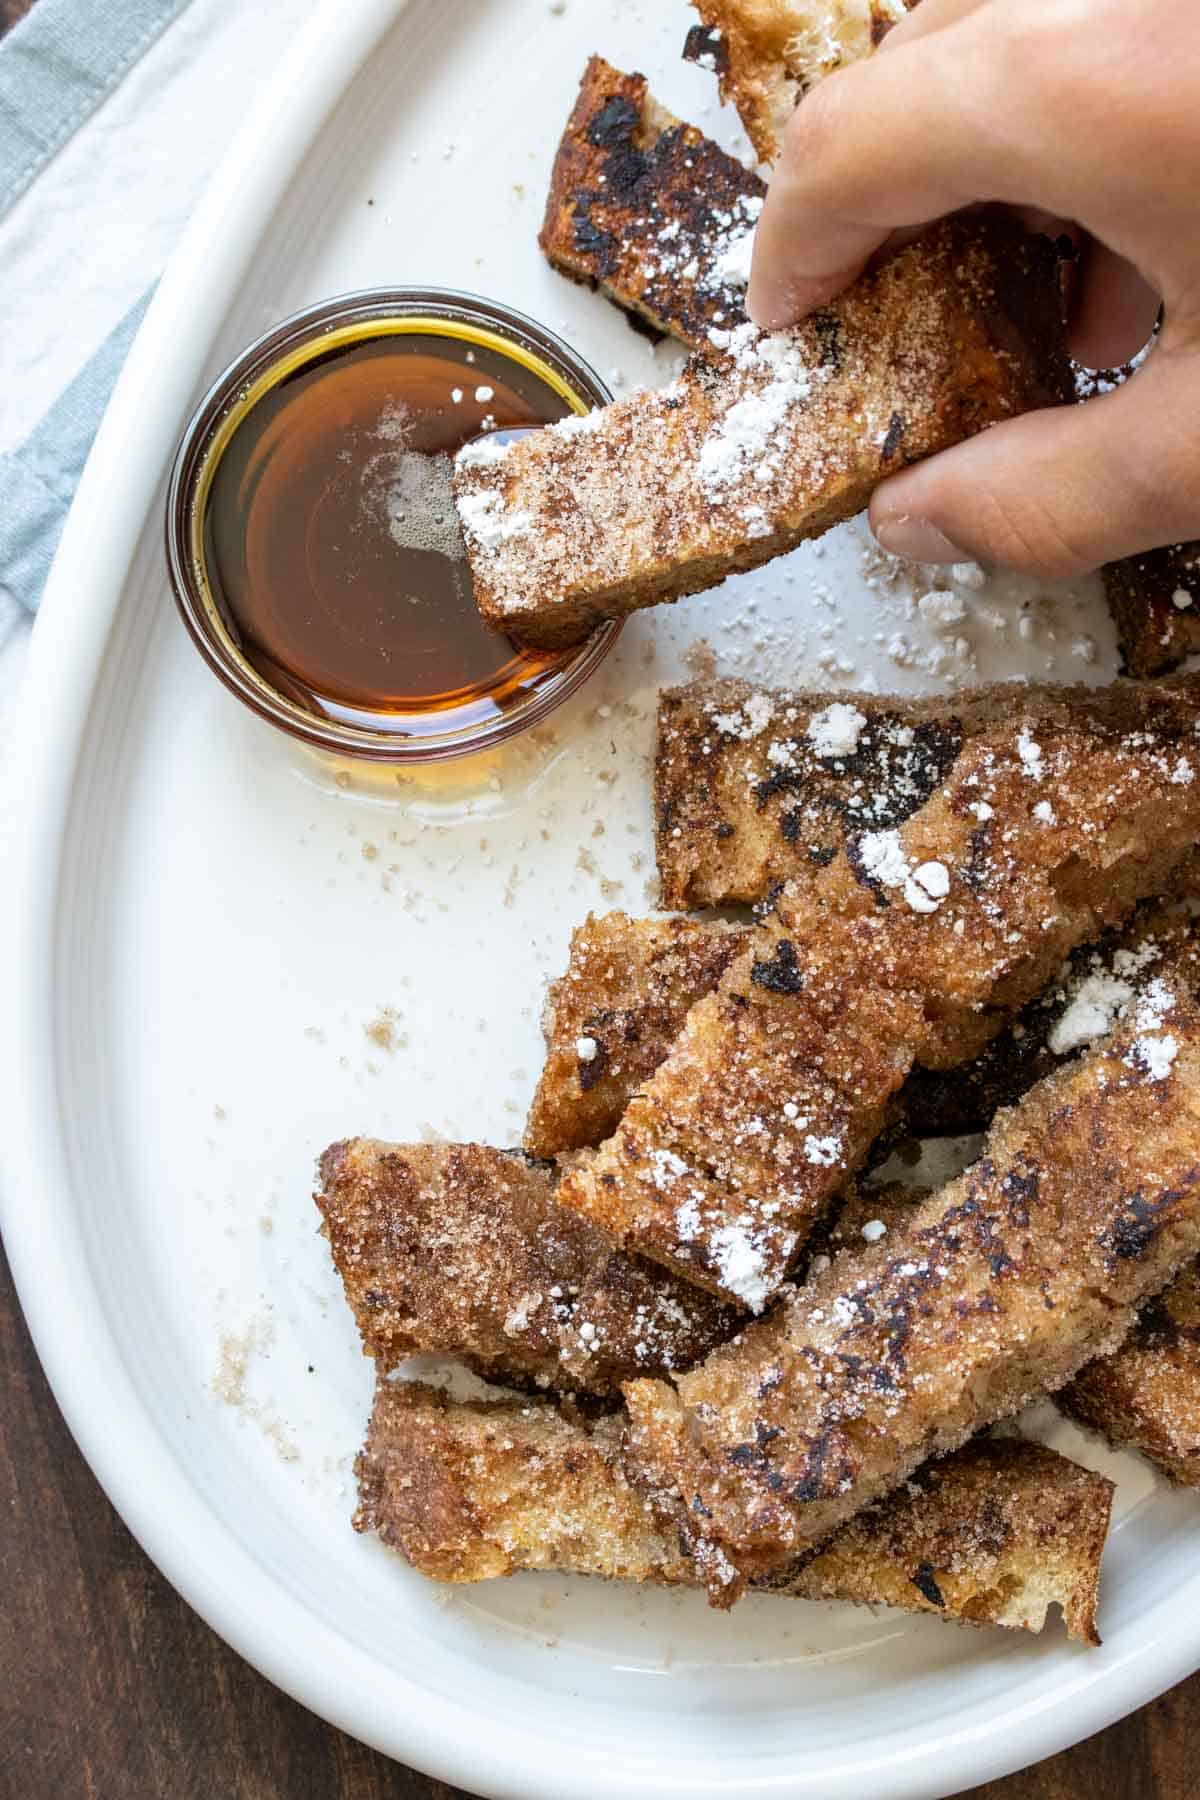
{"x": 112, "y": 1689}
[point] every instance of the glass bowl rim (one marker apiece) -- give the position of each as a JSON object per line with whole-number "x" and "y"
{"x": 192, "y": 456}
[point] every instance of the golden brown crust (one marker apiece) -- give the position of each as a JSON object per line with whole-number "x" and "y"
{"x": 1155, "y": 602}
{"x": 461, "y": 1250}
{"x": 1085, "y": 1203}
{"x": 767, "y": 54}
{"x": 471, "y": 1490}
{"x": 755, "y": 785}
{"x": 1045, "y": 832}
{"x": 707, "y": 1172}
{"x": 611, "y": 1017}
{"x": 995, "y": 1534}
{"x": 644, "y": 208}
{"x": 666, "y": 493}
{"x": 629, "y": 983}
{"x": 1146, "y": 1395}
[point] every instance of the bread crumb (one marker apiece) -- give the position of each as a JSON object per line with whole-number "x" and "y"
{"x": 382, "y": 1030}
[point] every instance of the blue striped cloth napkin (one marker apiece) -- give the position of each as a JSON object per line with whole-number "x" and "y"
{"x": 57, "y": 67}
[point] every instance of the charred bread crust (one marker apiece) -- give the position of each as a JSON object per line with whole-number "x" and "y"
{"x": 469, "y": 1491}
{"x": 753, "y": 788}
{"x": 781, "y": 1078}
{"x": 1084, "y": 1204}
{"x": 1155, "y": 603}
{"x": 462, "y": 1250}
{"x": 997, "y": 1533}
{"x": 642, "y": 207}
{"x": 664, "y": 494}
{"x": 1146, "y": 1395}
{"x": 748, "y": 793}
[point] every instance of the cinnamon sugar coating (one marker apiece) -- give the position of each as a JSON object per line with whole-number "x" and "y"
{"x": 1084, "y": 1204}
{"x": 755, "y": 785}
{"x": 767, "y": 54}
{"x": 1155, "y": 603}
{"x": 461, "y": 1250}
{"x": 468, "y": 1491}
{"x": 611, "y": 1018}
{"x": 916, "y": 943}
{"x": 1146, "y": 1395}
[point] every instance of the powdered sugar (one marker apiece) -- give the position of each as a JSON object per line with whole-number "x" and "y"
{"x": 742, "y": 440}
{"x": 487, "y": 520}
{"x": 577, "y": 424}
{"x": 742, "y": 1265}
{"x": 484, "y": 453}
{"x": 1155, "y": 1056}
{"x": 687, "y": 1222}
{"x": 1031, "y": 756}
{"x": 927, "y": 887}
{"x": 732, "y": 267}
{"x": 1090, "y": 1015}
{"x": 822, "y": 1152}
{"x": 665, "y": 1166}
{"x": 942, "y": 609}
{"x": 1154, "y": 1003}
{"x": 751, "y": 718}
{"x": 1151, "y": 1054}
{"x": 882, "y": 857}
{"x": 835, "y": 731}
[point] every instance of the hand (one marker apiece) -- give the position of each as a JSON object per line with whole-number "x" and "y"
{"x": 1087, "y": 110}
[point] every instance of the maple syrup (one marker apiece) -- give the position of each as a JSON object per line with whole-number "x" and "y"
{"x": 331, "y": 542}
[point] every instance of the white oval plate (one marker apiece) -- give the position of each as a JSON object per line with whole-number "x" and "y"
{"x": 203, "y": 929}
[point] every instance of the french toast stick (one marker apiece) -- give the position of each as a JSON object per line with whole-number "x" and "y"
{"x": 756, "y": 785}
{"x": 461, "y": 1250}
{"x": 611, "y": 1016}
{"x": 916, "y": 944}
{"x": 665, "y": 493}
{"x": 1155, "y": 603}
{"x": 649, "y": 211}
{"x": 1143, "y": 1396}
{"x": 468, "y": 1491}
{"x": 1084, "y": 1204}
{"x": 1146, "y": 1395}
{"x": 767, "y": 54}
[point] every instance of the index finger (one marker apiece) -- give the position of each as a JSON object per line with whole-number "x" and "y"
{"x": 923, "y": 130}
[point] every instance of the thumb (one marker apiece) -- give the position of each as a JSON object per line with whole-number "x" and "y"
{"x": 1058, "y": 492}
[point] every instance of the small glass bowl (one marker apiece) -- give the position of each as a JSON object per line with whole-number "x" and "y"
{"x": 351, "y": 318}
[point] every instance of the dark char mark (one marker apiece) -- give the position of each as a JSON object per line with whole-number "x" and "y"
{"x": 926, "y": 1585}
{"x": 1131, "y": 1235}
{"x": 780, "y": 972}
{"x": 614, "y": 124}
{"x": 894, "y": 438}
{"x": 705, "y": 45}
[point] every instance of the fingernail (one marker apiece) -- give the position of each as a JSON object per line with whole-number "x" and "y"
{"x": 916, "y": 540}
